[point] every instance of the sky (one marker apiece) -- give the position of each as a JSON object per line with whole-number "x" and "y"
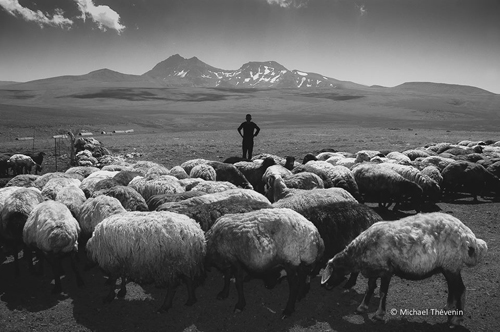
{"x": 370, "y": 42}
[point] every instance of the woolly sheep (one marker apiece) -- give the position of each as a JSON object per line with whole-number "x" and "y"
{"x": 304, "y": 180}
{"x": 229, "y": 173}
{"x": 434, "y": 173}
{"x": 166, "y": 248}
{"x": 254, "y": 172}
{"x": 83, "y": 171}
{"x": 119, "y": 168}
{"x": 23, "y": 180}
{"x": 53, "y": 231}
{"x": 89, "y": 184}
{"x": 399, "y": 157}
{"x": 211, "y": 187}
{"x": 160, "y": 185}
{"x": 203, "y": 171}
{"x": 189, "y": 164}
{"x": 156, "y": 171}
{"x": 21, "y": 164}
{"x": 104, "y": 184}
{"x": 178, "y": 172}
{"x": 416, "y": 153}
{"x": 437, "y": 161}
{"x": 206, "y": 209}
{"x": 385, "y": 186}
{"x": 73, "y": 197}
{"x": 38, "y": 159}
{"x": 415, "y": 248}
{"x": 5, "y": 165}
{"x": 494, "y": 168}
{"x": 95, "y": 210}
{"x": 14, "y": 212}
{"x": 53, "y": 186}
{"x": 155, "y": 201}
{"x": 42, "y": 180}
{"x": 144, "y": 166}
{"x": 124, "y": 177}
{"x": 274, "y": 171}
{"x": 261, "y": 241}
{"x": 366, "y": 155}
{"x": 130, "y": 199}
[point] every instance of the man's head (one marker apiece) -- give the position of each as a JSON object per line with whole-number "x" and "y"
{"x": 249, "y": 117}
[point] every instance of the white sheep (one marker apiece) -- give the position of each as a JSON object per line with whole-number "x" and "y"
{"x": 21, "y": 163}
{"x": 415, "y": 248}
{"x": 23, "y": 180}
{"x": 83, "y": 171}
{"x": 130, "y": 199}
{"x": 254, "y": 171}
{"x": 189, "y": 164}
{"x": 53, "y": 186}
{"x": 73, "y": 197}
{"x": 95, "y": 210}
{"x": 262, "y": 241}
{"x": 150, "y": 247}
{"x": 203, "y": 171}
{"x": 178, "y": 172}
{"x": 211, "y": 187}
{"x": 400, "y": 157}
{"x": 159, "y": 185}
{"x": 434, "y": 173}
{"x": 53, "y": 231}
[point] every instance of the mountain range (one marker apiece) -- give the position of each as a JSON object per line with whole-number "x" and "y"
{"x": 177, "y": 71}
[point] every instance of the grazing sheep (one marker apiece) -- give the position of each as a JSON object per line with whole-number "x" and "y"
{"x": 159, "y": 185}
{"x": 304, "y": 180}
{"x": 401, "y": 158}
{"x": 155, "y": 201}
{"x": 254, "y": 172}
{"x": 90, "y": 182}
{"x": 130, "y": 199}
{"x": 414, "y": 248}
{"x": 53, "y": 232}
{"x": 105, "y": 184}
{"x": 38, "y": 159}
{"x": 415, "y": 153}
{"x": 338, "y": 224}
{"x": 438, "y": 161}
{"x": 95, "y": 210}
{"x": 229, "y": 173}
{"x": 203, "y": 171}
{"x": 206, "y": 209}
{"x": 157, "y": 171}
{"x": 262, "y": 241}
{"x": 166, "y": 248}
{"x": 366, "y": 155}
{"x": 53, "y": 186}
{"x": 464, "y": 176}
{"x": 272, "y": 172}
{"x": 434, "y": 173}
{"x": 494, "y": 168}
{"x": 16, "y": 208}
{"x": 21, "y": 164}
{"x": 73, "y": 197}
{"x": 124, "y": 177}
{"x": 23, "y": 180}
{"x": 83, "y": 171}
{"x": 4, "y": 165}
{"x": 119, "y": 168}
{"x": 42, "y": 180}
{"x": 430, "y": 188}
{"x": 189, "y": 164}
{"x": 144, "y": 166}
{"x": 179, "y": 172}
{"x": 210, "y": 187}
{"x": 385, "y": 186}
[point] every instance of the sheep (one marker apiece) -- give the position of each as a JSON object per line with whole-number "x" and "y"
{"x": 434, "y": 173}
{"x": 21, "y": 164}
{"x": 83, "y": 171}
{"x": 272, "y": 172}
{"x": 286, "y": 198}
{"x": 494, "y": 168}
{"x": 366, "y": 155}
{"x": 179, "y": 172}
{"x": 130, "y": 199}
{"x": 414, "y": 248}
{"x": 145, "y": 247}
{"x": 23, "y": 180}
{"x": 104, "y": 184}
{"x": 53, "y": 232}
{"x": 207, "y": 208}
{"x": 38, "y": 159}
{"x": 386, "y": 186}
{"x": 189, "y": 164}
{"x": 416, "y": 153}
{"x": 430, "y": 188}
{"x": 124, "y": 177}
{"x": 73, "y": 197}
{"x": 42, "y": 180}
{"x": 89, "y": 183}
{"x": 144, "y": 166}
{"x": 160, "y": 185}
{"x": 253, "y": 172}
{"x": 95, "y": 210}
{"x": 4, "y": 165}
{"x": 119, "y": 168}
{"x": 53, "y": 186}
{"x": 464, "y": 176}
{"x": 211, "y": 187}
{"x": 203, "y": 171}
{"x": 155, "y": 201}
{"x": 401, "y": 158}
{"x": 304, "y": 180}
{"x": 339, "y": 176}
{"x": 16, "y": 208}
{"x": 311, "y": 167}
{"x": 229, "y": 173}
{"x": 262, "y": 241}
{"x": 234, "y": 160}
{"x": 338, "y": 224}
{"x": 157, "y": 171}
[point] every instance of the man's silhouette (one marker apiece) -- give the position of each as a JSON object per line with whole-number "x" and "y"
{"x": 248, "y": 134}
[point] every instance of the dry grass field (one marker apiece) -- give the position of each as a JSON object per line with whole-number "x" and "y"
{"x": 174, "y": 125}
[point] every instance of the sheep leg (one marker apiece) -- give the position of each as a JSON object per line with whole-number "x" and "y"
{"x": 352, "y": 280}
{"x": 224, "y": 293}
{"x": 304, "y": 283}
{"x": 79, "y": 280}
{"x": 372, "y": 284}
{"x": 190, "y": 289}
{"x": 169, "y": 298}
{"x": 240, "y": 276}
{"x": 456, "y": 296}
{"x": 384, "y": 288}
{"x": 111, "y": 294}
{"x": 293, "y": 287}
{"x": 55, "y": 262}
{"x": 123, "y": 288}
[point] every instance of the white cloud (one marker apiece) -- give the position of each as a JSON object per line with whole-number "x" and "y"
{"x": 289, "y": 3}
{"x": 105, "y": 17}
{"x": 14, "y": 8}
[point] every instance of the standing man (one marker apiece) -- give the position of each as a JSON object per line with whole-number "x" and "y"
{"x": 248, "y": 135}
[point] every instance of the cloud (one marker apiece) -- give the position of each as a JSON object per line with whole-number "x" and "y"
{"x": 289, "y": 3}
{"x": 362, "y": 10}
{"x": 105, "y": 17}
{"x": 14, "y": 8}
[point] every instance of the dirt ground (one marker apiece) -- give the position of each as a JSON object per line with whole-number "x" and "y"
{"x": 26, "y": 303}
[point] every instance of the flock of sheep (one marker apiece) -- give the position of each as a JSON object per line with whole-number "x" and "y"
{"x": 266, "y": 218}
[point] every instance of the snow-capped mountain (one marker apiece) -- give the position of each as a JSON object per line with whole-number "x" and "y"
{"x": 177, "y": 70}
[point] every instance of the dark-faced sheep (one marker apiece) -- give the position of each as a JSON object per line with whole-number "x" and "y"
{"x": 53, "y": 232}
{"x": 229, "y": 173}
{"x": 260, "y": 242}
{"x": 163, "y": 248}
{"x": 414, "y": 248}
{"x": 253, "y": 171}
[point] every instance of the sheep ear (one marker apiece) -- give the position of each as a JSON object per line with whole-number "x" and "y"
{"x": 327, "y": 273}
